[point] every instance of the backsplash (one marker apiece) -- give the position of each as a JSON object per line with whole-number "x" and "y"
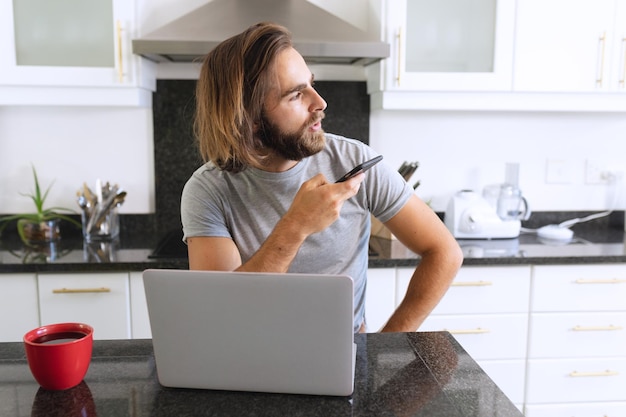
{"x": 175, "y": 153}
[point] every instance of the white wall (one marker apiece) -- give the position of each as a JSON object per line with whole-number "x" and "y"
{"x": 456, "y": 150}
{"x": 72, "y": 145}
{"x": 459, "y": 150}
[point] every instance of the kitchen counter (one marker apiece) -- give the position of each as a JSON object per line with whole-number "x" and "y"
{"x": 412, "y": 374}
{"x": 589, "y": 245}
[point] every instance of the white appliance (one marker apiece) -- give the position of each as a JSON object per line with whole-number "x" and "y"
{"x": 471, "y": 216}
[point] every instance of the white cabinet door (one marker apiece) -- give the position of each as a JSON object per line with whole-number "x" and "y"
{"x": 81, "y": 56}
{"x": 98, "y": 299}
{"x": 480, "y": 290}
{"x": 570, "y": 46}
{"x": 606, "y": 409}
{"x": 452, "y": 45}
{"x": 379, "y": 297}
{"x": 140, "y": 320}
{"x": 19, "y": 306}
{"x": 575, "y": 380}
{"x": 485, "y": 336}
{"x": 562, "y": 335}
{"x": 561, "y": 288}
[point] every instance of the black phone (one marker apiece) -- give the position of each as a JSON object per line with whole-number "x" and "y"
{"x": 360, "y": 168}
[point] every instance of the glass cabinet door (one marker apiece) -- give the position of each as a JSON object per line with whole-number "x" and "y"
{"x": 66, "y": 43}
{"x": 66, "y": 33}
{"x": 459, "y": 45}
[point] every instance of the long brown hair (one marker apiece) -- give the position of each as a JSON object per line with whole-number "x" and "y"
{"x": 234, "y": 80}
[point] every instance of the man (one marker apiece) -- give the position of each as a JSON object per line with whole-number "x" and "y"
{"x": 266, "y": 199}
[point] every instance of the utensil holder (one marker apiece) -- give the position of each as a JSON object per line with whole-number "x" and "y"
{"x": 108, "y": 228}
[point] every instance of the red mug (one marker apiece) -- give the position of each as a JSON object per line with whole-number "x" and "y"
{"x": 59, "y": 354}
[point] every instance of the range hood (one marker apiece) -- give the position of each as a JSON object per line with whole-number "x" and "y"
{"x": 320, "y": 36}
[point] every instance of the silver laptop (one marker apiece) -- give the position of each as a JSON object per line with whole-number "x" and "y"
{"x": 282, "y": 333}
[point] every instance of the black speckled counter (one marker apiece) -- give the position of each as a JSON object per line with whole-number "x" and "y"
{"x": 408, "y": 374}
{"x": 590, "y": 245}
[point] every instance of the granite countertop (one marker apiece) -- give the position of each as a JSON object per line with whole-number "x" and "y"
{"x": 416, "y": 374}
{"x": 589, "y": 245}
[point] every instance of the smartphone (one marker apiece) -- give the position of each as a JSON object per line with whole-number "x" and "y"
{"x": 360, "y": 168}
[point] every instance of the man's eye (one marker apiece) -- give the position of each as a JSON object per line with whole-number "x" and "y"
{"x": 296, "y": 96}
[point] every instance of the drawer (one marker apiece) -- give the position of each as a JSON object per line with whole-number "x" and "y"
{"x": 509, "y": 376}
{"x": 379, "y": 297}
{"x": 100, "y": 300}
{"x": 19, "y": 309}
{"x": 579, "y": 288}
{"x": 607, "y": 409}
{"x": 480, "y": 290}
{"x": 576, "y": 380}
{"x": 561, "y": 335}
{"x": 501, "y": 336}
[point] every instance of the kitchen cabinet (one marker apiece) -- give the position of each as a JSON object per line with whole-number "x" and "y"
{"x": 452, "y": 45}
{"x": 72, "y": 53}
{"x": 19, "y": 309}
{"x": 140, "y": 320}
{"x": 448, "y": 47}
{"x": 570, "y": 46}
{"x": 101, "y": 300}
{"x": 557, "y": 55}
{"x": 486, "y": 310}
{"x": 380, "y": 300}
{"x": 577, "y": 339}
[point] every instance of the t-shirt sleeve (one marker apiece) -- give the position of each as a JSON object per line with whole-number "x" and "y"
{"x": 202, "y": 210}
{"x": 388, "y": 192}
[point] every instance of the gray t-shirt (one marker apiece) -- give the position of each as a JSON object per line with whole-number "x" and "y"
{"x": 247, "y": 205}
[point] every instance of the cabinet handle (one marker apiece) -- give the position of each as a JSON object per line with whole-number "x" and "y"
{"x": 600, "y": 75}
{"x": 600, "y": 281}
{"x": 595, "y": 328}
{"x": 477, "y": 330}
{"x": 623, "y": 77}
{"x": 80, "y": 290}
{"x": 399, "y": 51}
{"x": 480, "y": 283}
{"x": 120, "y": 59}
{"x": 601, "y": 373}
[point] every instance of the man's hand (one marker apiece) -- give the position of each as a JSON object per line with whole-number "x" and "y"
{"x": 318, "y": 204}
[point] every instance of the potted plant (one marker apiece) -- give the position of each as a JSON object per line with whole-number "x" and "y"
{"x": 43, "y": 224}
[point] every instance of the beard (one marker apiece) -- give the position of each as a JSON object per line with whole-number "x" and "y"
{"x": 293, "y": 146}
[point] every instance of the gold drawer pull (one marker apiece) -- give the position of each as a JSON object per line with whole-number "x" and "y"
{"x": 601, "y": 373}
{"x": 471, "y": 283}
{"x": 80, "y": 290}
{"x": 120, "y": 56}
{"x": 594, "y": 328}
{"x": 600, "y": 281}
{"x": 477, "y": 330}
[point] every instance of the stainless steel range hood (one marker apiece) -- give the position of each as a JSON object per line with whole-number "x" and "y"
{"x": 320, "y": 36}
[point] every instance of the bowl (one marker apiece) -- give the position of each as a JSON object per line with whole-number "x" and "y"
{"x": 59, "y": 354}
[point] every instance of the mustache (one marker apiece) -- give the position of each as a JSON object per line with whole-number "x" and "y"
{"x": 318, "y": 116}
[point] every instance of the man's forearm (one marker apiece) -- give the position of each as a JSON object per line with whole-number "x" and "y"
{"x": 428, "y": 285}
{"x": 278, "y": 251}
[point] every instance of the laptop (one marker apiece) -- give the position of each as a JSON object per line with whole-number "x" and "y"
{"x": 243, "y": 331}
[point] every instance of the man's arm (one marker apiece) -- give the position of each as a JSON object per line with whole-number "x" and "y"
{"x": 315, "y": 207}
{"x": 417, "y": 226}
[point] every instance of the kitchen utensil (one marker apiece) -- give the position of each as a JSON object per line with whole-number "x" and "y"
{"x": 470, "y": 216}
{"x": 59, "y": 354}
{"x": 511, "y": 204}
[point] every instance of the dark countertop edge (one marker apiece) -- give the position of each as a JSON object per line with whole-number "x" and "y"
{"x": 495, "y": 261}
{"x": 95, "y": 267}
{"x": 373, "y": 263}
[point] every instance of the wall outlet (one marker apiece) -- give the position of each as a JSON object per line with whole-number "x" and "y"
{"x": 597, "y": 172}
